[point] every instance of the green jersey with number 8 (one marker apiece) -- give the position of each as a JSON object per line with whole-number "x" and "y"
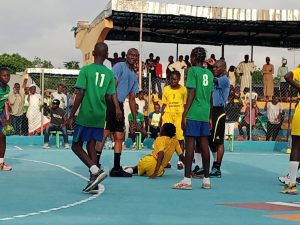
{"x": 201, "y": 80}
{"x": 97, "y": 81}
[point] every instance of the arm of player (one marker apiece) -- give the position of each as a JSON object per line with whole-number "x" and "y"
{"x": 187, "y": 107}
{"x": 78, "y": 99}
{"x": 289, "y": 77}
{"x": 160, "y": 157}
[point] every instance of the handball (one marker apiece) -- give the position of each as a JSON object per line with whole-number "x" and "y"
{"x": 288, "y": 151}
{"x": 8, "y": 130}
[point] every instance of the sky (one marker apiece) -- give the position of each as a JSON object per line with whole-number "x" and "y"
{"x": 42, "y": 28}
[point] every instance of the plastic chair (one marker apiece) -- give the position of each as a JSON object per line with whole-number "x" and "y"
{"x": 57, "y": 135}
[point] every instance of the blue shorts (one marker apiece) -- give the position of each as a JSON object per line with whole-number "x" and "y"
{"x": 82, "y": 133}
{"x": 197, "y": 128}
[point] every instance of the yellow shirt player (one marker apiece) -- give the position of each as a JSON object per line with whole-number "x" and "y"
{"x": 153, "y": 165}
{"x": 173, "y": 101}
{"x": 293, "y": 78}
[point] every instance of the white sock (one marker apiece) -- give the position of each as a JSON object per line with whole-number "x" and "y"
{"x": 293, "y": 171}
{"x": 1, "y": 160}
{"x": 198, "y": 159}
{"x": 187, "y": 180}
{"x": 94, "y": 169}
{"x": 206, "y": 180}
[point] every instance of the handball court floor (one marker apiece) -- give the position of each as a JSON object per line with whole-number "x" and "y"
{"x": 45, "y": 188}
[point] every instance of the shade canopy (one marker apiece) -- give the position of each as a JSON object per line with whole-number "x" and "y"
{"x": 187, "y": 24}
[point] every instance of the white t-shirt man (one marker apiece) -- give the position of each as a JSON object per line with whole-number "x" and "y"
{"x": 273, "y": 112}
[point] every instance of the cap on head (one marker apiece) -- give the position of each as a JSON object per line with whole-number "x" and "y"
{"x": 55, "y": 102}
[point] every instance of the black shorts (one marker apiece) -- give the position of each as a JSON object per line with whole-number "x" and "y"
{"x": 218, "y": 125}
{"x": 111, "y": 122}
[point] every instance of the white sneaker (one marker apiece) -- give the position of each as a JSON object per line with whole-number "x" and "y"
{"x": 46, "y": 146}
{"x": 284, "y": 179}
{"x": 67, "y": 146}
{"x": 206, "y": 183}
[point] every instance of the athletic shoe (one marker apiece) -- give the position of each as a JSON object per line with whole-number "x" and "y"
{"x": 179, "y": 165}
{"x": 206, "y": 183}
{"x": 94, "y": 191}
{"x": 119, "y": 173}
{"x": 67, "y": 146}
{"x": 5, "y": 167}
{"x": 284, "y": 179}
{"x": 290, "y": 189}
{"x": 168, "y": 166}
{"x": 128, "y": 169}
{"x": 182, "y": 186}
{"x": 46, "y": 146}
{"x": 215, "y": 173}
{"x": 198, "y": 172}
{"x": 95, "y": 179}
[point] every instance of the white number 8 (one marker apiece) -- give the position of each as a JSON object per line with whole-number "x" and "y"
{"x": 205, "y": 80}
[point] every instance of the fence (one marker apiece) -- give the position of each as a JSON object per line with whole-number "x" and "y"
{"x": 278, "y": 129}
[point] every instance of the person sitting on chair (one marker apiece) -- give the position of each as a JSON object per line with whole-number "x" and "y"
{"x": 57, "y": 123}
{"x": 140, "y": 124}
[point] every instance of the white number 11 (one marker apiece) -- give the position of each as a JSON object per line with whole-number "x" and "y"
{"x": 102, "y": 79}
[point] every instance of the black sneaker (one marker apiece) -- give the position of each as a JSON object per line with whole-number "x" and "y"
{"x": 197, "y": 168}
{"x": 95, "y": 180}
{"x": 119, "y": 173}
{"x": 199, "y": 173}
{"x": 94, "y": 191}
{"x": 215, "y": 173}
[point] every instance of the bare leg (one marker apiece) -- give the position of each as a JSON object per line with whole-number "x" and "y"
{"x": 189, "y": 155}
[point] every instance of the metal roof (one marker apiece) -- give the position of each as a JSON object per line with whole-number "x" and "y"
{"x": 188, "y": 24}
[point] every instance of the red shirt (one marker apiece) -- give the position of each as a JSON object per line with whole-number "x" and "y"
{"x": 158, "y": 70}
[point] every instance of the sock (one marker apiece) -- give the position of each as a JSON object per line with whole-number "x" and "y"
{"x": 1, "y": 160}
{"x": 117, "y": 159}
{"x": 206, "y": 180}
{"x": 198, "y": 159}
{"x": 94, "y": 169}
{"x": 187, "y": 180}
{"x": 98, "y": 159}
{"x": 293, "y": 169}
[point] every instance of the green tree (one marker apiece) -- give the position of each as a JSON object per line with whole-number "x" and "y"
{"x": 39, "y": 63}
{"x": 72, "y": 65}
{"x": 15, "y": 62}
{"x": 257, "y": 77}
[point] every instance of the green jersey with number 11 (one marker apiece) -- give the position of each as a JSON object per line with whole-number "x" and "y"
{"x": 201, "y": 80}
{"x": 97, "y": 81}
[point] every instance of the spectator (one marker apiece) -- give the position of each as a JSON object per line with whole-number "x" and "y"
{"x": 34, "y": 103}
{"x": 246, "y": 120}
{"x": 150, "y": 65}
{"x": 57, "y": 123}
{"x": 139, "y": 126}
{"x": 284, "y": 86}
{"x": 114, "y": 60}
{"x": 158, "y": 72}
{"x": 245, "y": 70}
{"x": 123, "y": 57}
{"x": 154, "y": 119}
{"x": 16, "y": 101}
{"x": 188, "y": 65}
{"x": 68, "y": 102}
{"x": 231, "y": 75}
{"x": 268, "y": 70}
{"x": 60, "y": 96}
{"x": 274, "y": 114}
{"x": 180, "y": 66}
{"x": 170, "y": 68}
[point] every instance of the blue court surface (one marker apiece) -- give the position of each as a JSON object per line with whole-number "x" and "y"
{"x": 45, "y": 188}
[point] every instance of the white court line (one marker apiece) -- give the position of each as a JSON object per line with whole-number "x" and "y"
{"x": 293, "y": 204}
{"x": 101, "y": 190}
{"x": 17, "y": 147}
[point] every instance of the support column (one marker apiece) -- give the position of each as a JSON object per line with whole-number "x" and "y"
{"x": 90, "y": 34}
